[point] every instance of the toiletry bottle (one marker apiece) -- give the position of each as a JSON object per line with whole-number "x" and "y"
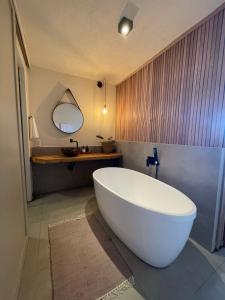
{"x": 87, "y": 149}
{"x": 83, "y": 149}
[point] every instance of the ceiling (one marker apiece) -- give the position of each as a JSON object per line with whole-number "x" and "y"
{"x": 79, "y": 37}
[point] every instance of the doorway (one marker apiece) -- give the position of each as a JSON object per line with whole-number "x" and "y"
{"x": 22, "y": 108}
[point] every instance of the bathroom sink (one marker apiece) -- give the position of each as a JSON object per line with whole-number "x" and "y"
{"x": 70, "y": 151}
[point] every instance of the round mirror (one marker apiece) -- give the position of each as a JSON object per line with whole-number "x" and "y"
{"x": 67, "y": 117}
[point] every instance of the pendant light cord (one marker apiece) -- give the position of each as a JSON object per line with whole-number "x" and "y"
{"x": 105, "y": 91}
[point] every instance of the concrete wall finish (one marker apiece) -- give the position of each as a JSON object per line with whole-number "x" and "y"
{"x": 193, "y": 170}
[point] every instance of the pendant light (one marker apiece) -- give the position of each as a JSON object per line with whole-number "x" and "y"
{"x": 104, "y": 109}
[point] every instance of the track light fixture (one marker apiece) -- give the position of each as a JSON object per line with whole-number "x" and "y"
{"x": 125, "y": 26}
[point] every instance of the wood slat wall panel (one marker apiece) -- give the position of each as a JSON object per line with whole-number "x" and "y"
{"x": 179, "y": 97}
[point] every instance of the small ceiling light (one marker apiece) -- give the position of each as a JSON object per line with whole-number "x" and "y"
{"x": 125, "y": 26}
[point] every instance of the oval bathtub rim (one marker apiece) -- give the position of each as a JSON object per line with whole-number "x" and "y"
{"x": 182, "y": 217}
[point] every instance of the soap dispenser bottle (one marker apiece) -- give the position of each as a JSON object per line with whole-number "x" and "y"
{"x": 83, "y": 150}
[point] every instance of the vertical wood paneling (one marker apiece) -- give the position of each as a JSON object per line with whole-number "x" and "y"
{"x": 179, "y": 97}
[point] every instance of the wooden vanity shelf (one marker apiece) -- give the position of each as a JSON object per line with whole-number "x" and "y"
{"x": 60, "y": 158}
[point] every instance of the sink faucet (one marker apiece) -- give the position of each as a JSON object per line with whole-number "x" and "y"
{"x": 73, "y": 141}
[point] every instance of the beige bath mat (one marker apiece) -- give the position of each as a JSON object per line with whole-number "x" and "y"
{"x": 85, "y": 263}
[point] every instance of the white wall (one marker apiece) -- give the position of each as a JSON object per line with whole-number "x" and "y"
{"x": 12, "y": 222}
{"x": 45, "y": 90}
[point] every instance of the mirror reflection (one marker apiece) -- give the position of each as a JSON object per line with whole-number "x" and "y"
{"x": 67, "y": 117}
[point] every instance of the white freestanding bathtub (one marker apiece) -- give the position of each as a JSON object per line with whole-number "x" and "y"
{"x": 152, "y": 218}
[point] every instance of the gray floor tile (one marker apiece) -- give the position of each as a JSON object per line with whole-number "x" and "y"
{"x": 43, "y": 255}
{"x": 34, "y": 230}
{"x": 221, "y": 272}
{"x": 37, "y": 202}
{"x": 38, "y": 286}
{"x": 51, "y": 208}
{"x": 196, "y": 274}
{"x": 213, "y": 289}
{"x": 44, "y": 230}
{"x": 31, "y": 258}
{"x": 35, "y": 214}
{"x": 43, "y": 285}
{"x": 215, "y": 259}
{"x": 179, "y": 280}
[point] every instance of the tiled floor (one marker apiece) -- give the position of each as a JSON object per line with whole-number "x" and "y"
{"x": 195, "y": 275}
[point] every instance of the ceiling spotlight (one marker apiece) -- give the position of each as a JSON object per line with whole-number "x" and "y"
{"x": 125, "y": 26}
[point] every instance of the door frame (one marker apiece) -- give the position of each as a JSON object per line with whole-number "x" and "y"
{"x": 21, "y": 99}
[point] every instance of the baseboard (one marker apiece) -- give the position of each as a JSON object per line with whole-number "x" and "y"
{"x": 20, "y": 269}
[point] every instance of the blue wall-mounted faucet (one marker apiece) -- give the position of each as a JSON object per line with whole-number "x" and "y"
{"x": 154, "y": 161}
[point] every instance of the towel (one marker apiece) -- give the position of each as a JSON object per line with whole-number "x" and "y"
{"x": 33, "y": 133}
